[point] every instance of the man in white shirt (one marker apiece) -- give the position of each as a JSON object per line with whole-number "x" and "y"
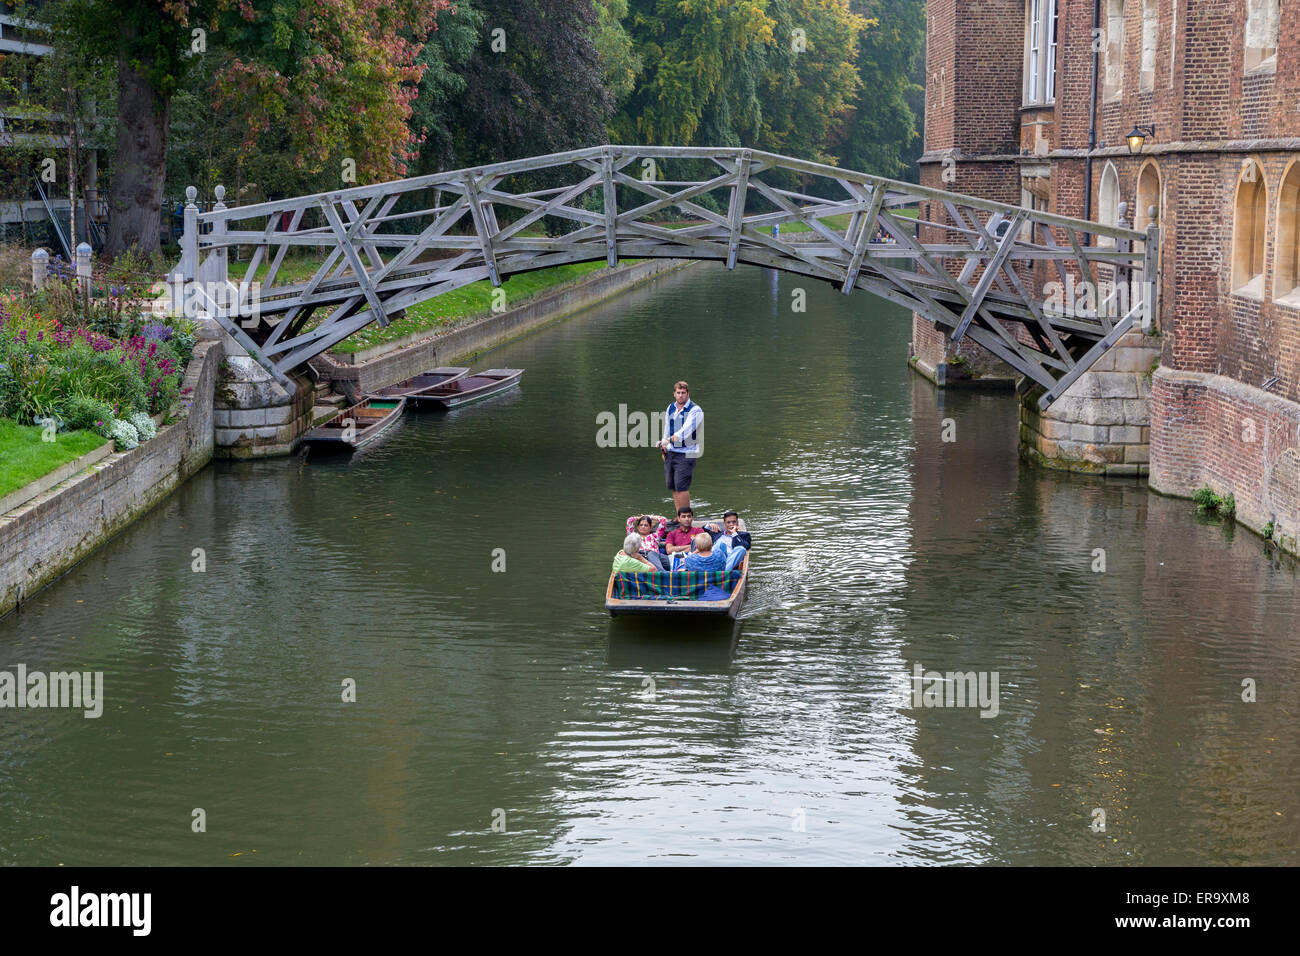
{"x": 681, "y": 444}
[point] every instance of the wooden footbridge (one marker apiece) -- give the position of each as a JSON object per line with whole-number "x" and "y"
{"x": 974, "y": 268}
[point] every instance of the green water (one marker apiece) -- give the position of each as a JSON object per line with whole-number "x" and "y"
{"x": 790, "y": 737}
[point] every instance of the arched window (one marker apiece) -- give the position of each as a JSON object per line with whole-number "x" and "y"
{"x": 1261, "y": 34}
{"x": 1286, "y": 281}
{"x": 1249, "y": 221}
{"x": 1150, "y": 35}
{"x": 1113, "y": 85}
{"x": 1108, "y": 201}
{"x": 1148, "y": 196}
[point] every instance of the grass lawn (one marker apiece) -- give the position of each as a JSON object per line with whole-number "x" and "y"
{"x": 467, "y": 301}
{"x": 292, "y": 269}
{"x": 24, "y": 457}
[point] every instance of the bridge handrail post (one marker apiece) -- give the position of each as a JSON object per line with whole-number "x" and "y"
{"x": 189, "y": 266}
{"x": 213, "y": 269}
{"x": 1150, "y": 276}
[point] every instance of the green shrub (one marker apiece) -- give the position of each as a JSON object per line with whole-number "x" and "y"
{"x": 83, "y": 411}
{"x": 1206, "y": 499}
{"x": 1228, "y": 506}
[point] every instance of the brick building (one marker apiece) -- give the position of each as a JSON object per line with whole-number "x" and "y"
{"x": 1031, "y": 101}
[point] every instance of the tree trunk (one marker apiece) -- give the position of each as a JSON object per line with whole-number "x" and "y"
{"x": 140, "y": 167}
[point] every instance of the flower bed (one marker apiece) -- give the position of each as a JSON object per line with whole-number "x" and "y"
{"x": 101, "y": 366}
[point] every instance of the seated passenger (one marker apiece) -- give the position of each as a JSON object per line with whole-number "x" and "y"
{"x": 730, "y": 532}
{"x": 630, "y": 558}
{"x": 651, "y": 535}
{"x": 705, "y": 557}
{"x": 681, "y": 537}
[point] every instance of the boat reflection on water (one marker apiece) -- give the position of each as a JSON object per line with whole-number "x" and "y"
{"x": 654, "y": 644}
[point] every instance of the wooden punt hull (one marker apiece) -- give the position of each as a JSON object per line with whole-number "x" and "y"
{"x": 412, "y": 388}
{"x": 687, "y": 608}
{"x": 472, "y": 388}
{"x": 370, "y": 419}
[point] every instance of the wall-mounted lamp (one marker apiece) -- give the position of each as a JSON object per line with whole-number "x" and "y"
{"x": 1139, "y": 136}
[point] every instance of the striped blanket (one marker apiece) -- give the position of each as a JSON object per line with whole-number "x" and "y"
{"x": 677, "y": 586}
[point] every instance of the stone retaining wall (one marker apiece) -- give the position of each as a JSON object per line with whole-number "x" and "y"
{"x": 45, "y": 537}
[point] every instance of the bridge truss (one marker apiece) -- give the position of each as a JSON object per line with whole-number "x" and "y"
{"x": 978, "y": 270}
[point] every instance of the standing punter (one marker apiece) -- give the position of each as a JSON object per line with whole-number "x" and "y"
{"x": 680, "y": 445}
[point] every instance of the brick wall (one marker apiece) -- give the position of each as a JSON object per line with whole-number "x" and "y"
{"x": 1201, "y": 98}
{"x": 1213, "y": 431}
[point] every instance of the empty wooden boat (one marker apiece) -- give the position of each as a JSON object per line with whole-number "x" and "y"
{"x": 472, "y": 388}
{"x": 357, "y": 426}
{"x": 412, "y": 388}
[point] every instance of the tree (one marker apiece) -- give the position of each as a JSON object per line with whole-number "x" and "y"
{"x": 534, "y": 83}
{"x": 694, "y": 57}
{"x": 149, "y": 41}
{"x": 614, "y": 47}
{"x": 444, "y": 60}
{"x": 811, "y": 75}
{"x": 337, "y": 78}
{"x": 326, "y": 81}
{"x": 878, "y": 134}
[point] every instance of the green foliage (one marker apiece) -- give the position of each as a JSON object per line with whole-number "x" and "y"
{"x": 618, "y": 59}
{"x": 880, "y": 129}
{"x": 45, "y": 365}
{"x": 444, "y": 60}
{"x": 805, "y": 91}
{"x": 85, "y": 411}
{"x": 1268, "y": 531}
{"x": 543, "y": 92}
{"x": 695, "y": 61}
{"x": 1206, "y": 499}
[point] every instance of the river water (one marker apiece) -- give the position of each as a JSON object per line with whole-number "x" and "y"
{"x": 501, "y": 716}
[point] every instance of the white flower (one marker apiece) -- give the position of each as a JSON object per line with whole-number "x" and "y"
{"x": 143, "y": 425}
{"x": 124, "y": 435}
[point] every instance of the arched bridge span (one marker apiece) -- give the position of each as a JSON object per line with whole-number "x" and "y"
{"x": 976, "y": 269}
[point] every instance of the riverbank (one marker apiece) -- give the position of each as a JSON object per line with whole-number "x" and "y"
{"x": 45, "y": 536}
{"x": 48, "y": 533}
{"x": 385, "y": 364}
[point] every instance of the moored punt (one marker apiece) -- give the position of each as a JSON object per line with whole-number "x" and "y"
{"x": 472, "y": 388}
{"x": 412, "y": 388}
{"x": 358, "y": 425}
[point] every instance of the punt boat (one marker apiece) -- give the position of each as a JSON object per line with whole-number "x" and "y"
{"x": 472, "y": 388}
{"x": 412, "y": 389}
{"x": 357, "y": 426}
{"x": 617, "y": 602}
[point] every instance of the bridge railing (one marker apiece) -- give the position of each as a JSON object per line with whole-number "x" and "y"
{"x": 1046, "y": 293}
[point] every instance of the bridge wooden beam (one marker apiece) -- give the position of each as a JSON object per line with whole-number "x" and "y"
{"x": 350, "y": 253}
{"x": 866, "y": 229}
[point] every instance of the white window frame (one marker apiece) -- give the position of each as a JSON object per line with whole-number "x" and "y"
{"x": 1052, "y": 26}
{"x": 1040, "y": 52}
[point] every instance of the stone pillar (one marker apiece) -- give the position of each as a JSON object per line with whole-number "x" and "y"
{"x": 1102, "y": 424}
{"x": 40, "y": 268}
{"x": 84, "y": 272}
{"x": 253, "y": 416}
